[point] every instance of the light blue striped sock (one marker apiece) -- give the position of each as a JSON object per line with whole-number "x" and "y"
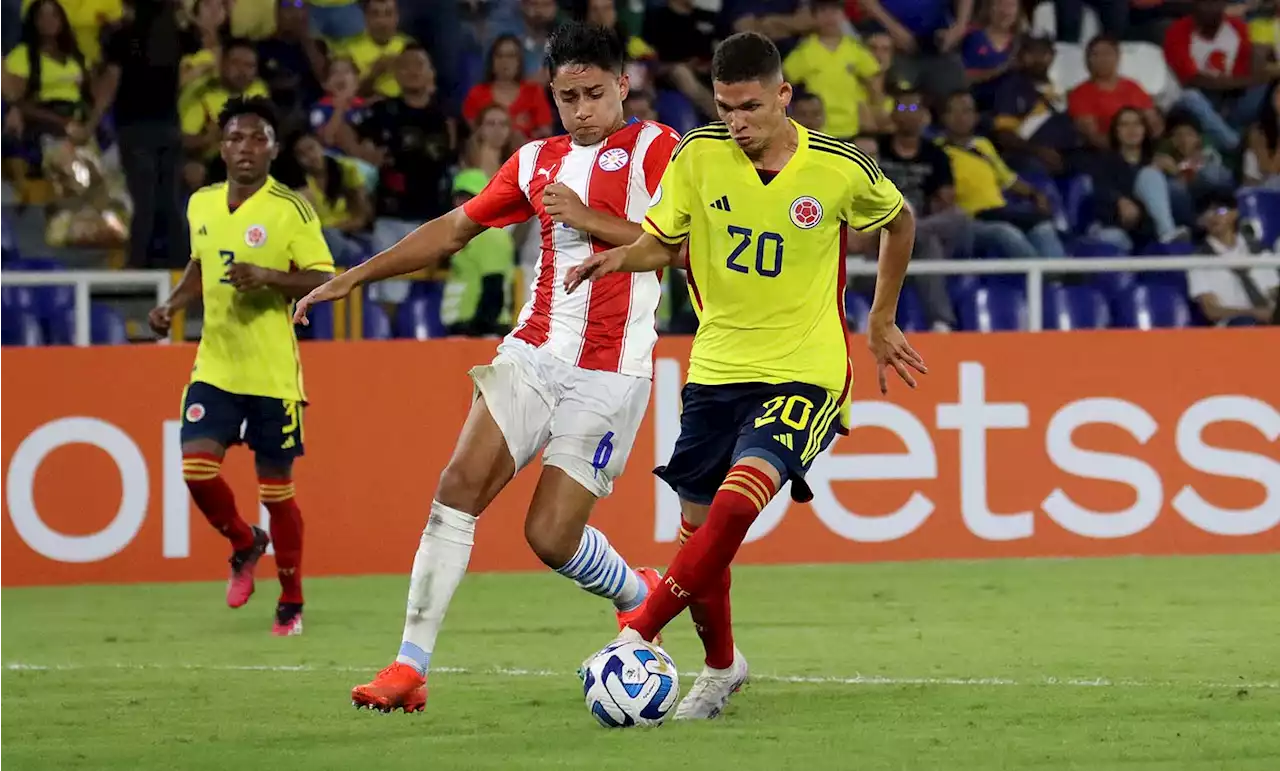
{"x": 599, "y": 569}
{"x": 415, "y": 657}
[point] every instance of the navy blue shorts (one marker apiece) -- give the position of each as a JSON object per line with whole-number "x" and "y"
{"x": 787, "y": 424}
{"x": 271, "y": 427}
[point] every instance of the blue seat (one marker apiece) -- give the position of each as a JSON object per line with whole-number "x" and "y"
{"x": 911, "y": 315}
{"x": 376, "y": 325}
{"x": 1260, "y": 208}
{"x": 10, "y": 237}
{"x": 106, "y": 326}
{"x": 1077, "y": 200}
{"x": 675, "y": 110}
{"x": 993, "y": 309}
{"x": 46, "y": 302}
{"x": 18, "y": 327}
{"x": 856, "y": 309}
{"x": 1152, "y": 306}
{"x": 321, "y": 326}
{"x": 418, "y": 318}
{"x": 1112, "y": 284}
{"x": 1074, "y": 307}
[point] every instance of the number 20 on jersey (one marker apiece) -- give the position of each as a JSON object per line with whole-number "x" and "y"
{"x": 768, "y": 252}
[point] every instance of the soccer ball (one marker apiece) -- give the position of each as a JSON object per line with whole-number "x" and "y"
{"x": 631, "y": 684}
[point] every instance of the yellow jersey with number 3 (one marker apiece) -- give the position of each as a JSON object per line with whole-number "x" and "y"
{"x": 766, "y": 263}
{"x": 247, "y": 343}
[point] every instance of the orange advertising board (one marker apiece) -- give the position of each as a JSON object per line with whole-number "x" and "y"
{"x": 1015, "y": 445}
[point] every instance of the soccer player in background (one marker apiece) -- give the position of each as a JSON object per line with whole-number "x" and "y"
{"x": 763, "y": 203}
{"x": 572, "y": 380}
{"x": 256, "y": 246}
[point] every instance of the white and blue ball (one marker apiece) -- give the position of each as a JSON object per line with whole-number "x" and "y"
{"x": 631, "y": 684}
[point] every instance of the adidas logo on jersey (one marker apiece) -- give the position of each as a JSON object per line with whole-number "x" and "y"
{"x": 784, "y": 440}
{"x": 721, "y": 203}
{"x": 289, "y": 443}
{"x": 204, "y": 230}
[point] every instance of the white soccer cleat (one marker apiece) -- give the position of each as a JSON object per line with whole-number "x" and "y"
{"x": 711, "y": 691}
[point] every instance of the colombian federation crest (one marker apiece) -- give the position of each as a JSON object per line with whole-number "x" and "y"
{"x": 255, "y": 236}
{"x": 195, "y": 412}
{"x": 613, "y": 159}
{"x": 806, "y": 212}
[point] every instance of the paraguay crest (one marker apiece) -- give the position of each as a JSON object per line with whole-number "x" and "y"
{"x": 806, "y": 212}
{"x": 613, "y": 159}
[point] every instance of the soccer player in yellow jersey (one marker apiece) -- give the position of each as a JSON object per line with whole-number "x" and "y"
{"x": 764, "y": 205}
{"x": 255, "y": 247}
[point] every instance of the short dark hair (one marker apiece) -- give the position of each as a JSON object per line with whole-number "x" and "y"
{"x": 489, "y": 75}
{"x": 1102, "y": 38}
{"x": 238, "y": 42}
{"x": 805, "y": 95}
{"x": 950, "y": 98}
{"x": 583, "y": 44}
{"x": 746, "y": 56}
{"x": 253, "y": 105}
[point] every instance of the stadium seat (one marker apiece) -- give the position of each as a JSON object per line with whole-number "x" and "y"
{"x": 106, "y": 326}
{"x": 18, "y": 327}
{"x": 911, "y": 315}
{"x": 1044, "y": 22}
{"x": 993, "y": 309}
{"x": 675, "y": 110}
{"x": 1260, "y": 209}
{"x": 1068, "y": 69}
{"x": 1145, "y": 63}
{"x": 414, "y": 320}
{"x": 856, "y": 309}
{"x": 321, "y": 326}
{"x": 1111, "y": 284}
{"x": 1077, "y": 201}
{"x": 1074, "y": 307}
{"x": 1152, "y": 306}
{"x": 376, "y": 325}
{"x": 10, "y": 238}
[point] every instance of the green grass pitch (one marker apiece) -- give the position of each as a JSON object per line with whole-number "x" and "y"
{"x": 1134, "y": 663}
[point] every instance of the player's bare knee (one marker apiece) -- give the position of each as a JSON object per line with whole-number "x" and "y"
{"x": 462, "y": 487}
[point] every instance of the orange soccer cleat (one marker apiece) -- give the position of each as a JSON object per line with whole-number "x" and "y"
{"x": 399, "y": 686}
{"x": 653, "y": 580}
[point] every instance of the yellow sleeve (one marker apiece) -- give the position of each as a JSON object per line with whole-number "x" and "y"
{"x": 668, "y": 215}
{"x": 307, "y": 248}
{"x": 864, "y": 63}
{"x": 257, "y": 88}
{"x": 873, "y": 200}
{"x": 16, "y": 63}
{"x": 352, "y": 178}
{"x": 193, "y": 206}
{"x": 1004, "y": 175}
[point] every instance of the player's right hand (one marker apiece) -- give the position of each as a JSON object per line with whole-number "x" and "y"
{"x": 160, "y": 319}
{"x": 595, "y": 266}
{"x": 333, "y": 289}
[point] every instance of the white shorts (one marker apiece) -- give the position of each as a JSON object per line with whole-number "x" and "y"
{"x": 584, "y": 421}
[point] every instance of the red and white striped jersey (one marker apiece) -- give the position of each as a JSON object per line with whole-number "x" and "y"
{"x": 606, "y": 324}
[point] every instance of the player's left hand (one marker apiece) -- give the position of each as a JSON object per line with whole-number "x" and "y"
{"x": 563, "y": 205}
{"x": 890, "y": 347}
{"x": 595, "y": 266}
{"x": 245, "y": 277}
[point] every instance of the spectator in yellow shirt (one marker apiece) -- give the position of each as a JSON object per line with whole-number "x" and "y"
{"x": 374, "y": 52}
{"x": 838, "y": 69}
{"x": 335, "y": 186}
{"x": 237, "y": 76}
{"x": 44, "y": 77}
{"x": 88, "y": 18}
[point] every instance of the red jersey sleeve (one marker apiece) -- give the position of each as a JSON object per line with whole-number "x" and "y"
{"x": 1177, "y": 49}
{"x": 658, "y": 156}
{"x": 1244, "y": 57}
{"x": 502, "y": 202}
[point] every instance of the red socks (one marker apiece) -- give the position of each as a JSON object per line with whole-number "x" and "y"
{"x": 286, "y": 535}
{"x": 711, "y": 614}
{"x": 702, "y": 565}
{"x": 214, "y": 499}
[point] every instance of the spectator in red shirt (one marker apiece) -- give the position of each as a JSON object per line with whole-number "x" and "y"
{"x": 1094, "y": 103}
{"x": 1211, "y": 54}
{"x": 506, "y": 86}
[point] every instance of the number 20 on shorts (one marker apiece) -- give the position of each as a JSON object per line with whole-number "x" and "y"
{"x": 789, "y": 407}
{"x": 768, "y": 251}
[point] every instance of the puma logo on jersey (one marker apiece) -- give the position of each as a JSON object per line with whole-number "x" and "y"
{"x": 721, "y": 203}
{"x": 784, "y": 440}
{"x": 544, "y": 173}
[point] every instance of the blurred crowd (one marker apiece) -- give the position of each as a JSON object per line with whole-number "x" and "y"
{"x": 1021, "y": 130}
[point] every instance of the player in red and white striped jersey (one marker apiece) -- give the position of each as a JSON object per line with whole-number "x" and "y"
{"x": 572, "y": 380}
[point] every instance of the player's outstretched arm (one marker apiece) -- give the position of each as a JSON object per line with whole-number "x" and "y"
{"x": 422, "y": 248}
{"x": 646, "y": 254}
{"x": 884, "y": 338}
{"x": 188, "y": 289}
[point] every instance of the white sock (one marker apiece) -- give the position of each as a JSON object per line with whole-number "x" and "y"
{"x": 598, "y": 568}
{"x": 443, "y": 554}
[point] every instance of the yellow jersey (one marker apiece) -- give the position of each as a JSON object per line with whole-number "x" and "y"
{"x": 88, "y": 18}
{"x": 247, "y": 344}
{"x": 60, "y": 81}
{"x": 986, "y": 176}
{"x": 766, "y": 262}
{"x": 836, "y": 76}
{"x": 364, "y": 52}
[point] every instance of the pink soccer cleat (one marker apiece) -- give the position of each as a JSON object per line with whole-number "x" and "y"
{"x": 240, "y": 587}
{"x": 288, "y": 621}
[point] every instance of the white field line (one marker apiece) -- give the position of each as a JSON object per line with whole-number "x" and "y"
{"x": 1077, "y": 682}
